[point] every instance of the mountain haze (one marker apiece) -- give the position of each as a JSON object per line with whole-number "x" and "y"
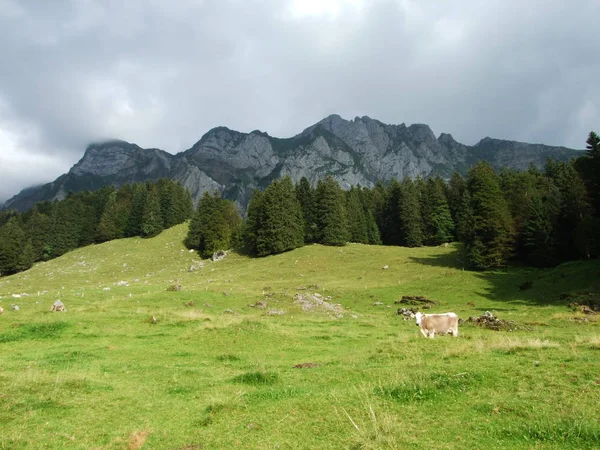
{"x": 360, "y": 151}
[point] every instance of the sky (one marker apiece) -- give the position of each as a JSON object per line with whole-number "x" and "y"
{"x": 161, "y": 74}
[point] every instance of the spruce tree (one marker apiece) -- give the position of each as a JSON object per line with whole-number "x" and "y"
{"x": 390, "y": 218}
{"x": 152, "y": 222}
{"x": 37, "y": 230}
{"x": 12, "y": 239}
{"x": 356, "y": 217}
{"x": 409, "y": 215}
{"x": 538, "y": 235}
{"x": 134, "y": 222}
{"x": 215, "y": 233}
{"x": 282, "y": 221}
{"x": 254, "y": 218}
{"x": 331, "y": 219}
{"x": 108, "y": 227}
{"x": 491, "y": 244}
{"x": 306, "y": 197}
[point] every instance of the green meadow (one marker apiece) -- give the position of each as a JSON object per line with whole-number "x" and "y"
{"x": 133, "y": 364}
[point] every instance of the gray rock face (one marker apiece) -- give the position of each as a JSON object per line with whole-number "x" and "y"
{"x": 360, "y": 151}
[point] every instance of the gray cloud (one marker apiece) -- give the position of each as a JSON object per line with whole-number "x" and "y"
{"x": 161, "y": 74}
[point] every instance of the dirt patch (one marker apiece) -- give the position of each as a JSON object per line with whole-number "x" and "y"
{"x": 316, "y": 302}
{"x": 306, "y": 365}
{"x": 137, "y": 440}
{"x": 491, "y": 322}
{"x": 419, "y": 300}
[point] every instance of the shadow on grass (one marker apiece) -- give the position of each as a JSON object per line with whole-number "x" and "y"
{"x": 527, "y": 284}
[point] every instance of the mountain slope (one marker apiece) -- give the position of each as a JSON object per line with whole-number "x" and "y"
{"x": 360, "y": 151}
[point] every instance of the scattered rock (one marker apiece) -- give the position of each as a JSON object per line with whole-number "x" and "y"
{"x": 489, "y": 321}
{"x": 313, "y": 302}
{"x": 122, "y": 283}
{"x": 15, "y": 307}
{"x": 275, "y": 312}
{"x": 154, "y": 319}
{"x": 106, "y": 289}
{"x": 385, "y": 267}
{"x": 225, "y": 293}
{"x": 58, "y": 306}
{"x": 259, "y": 305}
{"x": 420, "y": 300}
{"x": 190, "y": 303}
{"x": 16, "y": 295}
{"x": 378, "y": 304}
{"x": 471, "y": 304}
{"x": 306, "y": 365}
{"x": 196, "y": 265}
{"x": 408, "y": 313}
{"x": 229, "y": 311}
{"x": 218, "y": 256}
{"x": 174, "y": 287}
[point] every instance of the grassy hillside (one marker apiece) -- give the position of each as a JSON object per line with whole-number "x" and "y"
{"x": 216, "y": 373}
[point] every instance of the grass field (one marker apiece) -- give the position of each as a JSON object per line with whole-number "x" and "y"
{"x": 216, "y": 373}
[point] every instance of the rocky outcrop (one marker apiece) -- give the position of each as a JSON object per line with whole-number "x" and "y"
{"x": 360, "y": 151}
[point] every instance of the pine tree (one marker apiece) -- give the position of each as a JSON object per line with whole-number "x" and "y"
{"x": 409, "y": 214}
{"x": 282, "y": 221}
{"x": 371, "y": 201}
{"x": 151, "y": 218}
{"x": 491, "y": 243}
{"x": 192, "y": 239}
{"x": 331, "y": 219}
{"x": 455, "y": 192}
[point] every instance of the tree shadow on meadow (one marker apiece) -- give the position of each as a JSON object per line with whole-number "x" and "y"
{"x": 526, "y": 285}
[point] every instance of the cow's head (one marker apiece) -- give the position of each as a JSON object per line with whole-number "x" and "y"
{"x": 418, "y": 317}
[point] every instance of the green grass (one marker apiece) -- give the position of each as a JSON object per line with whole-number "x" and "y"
{"x": 221, "y": 374}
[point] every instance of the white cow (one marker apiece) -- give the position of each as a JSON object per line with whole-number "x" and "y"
{"x": 430, "y": 324}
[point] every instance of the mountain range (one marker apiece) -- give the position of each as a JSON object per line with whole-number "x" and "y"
{"x": 360, "y": 151}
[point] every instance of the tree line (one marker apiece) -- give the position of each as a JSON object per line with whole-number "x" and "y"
{"x": 51, "y": 229}
{"x": 536, "y": 217}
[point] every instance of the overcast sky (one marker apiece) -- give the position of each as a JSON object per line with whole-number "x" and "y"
{"x": 161, "y": 74}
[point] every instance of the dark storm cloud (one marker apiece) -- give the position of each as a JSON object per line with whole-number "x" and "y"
{"x": 162, "y": 73}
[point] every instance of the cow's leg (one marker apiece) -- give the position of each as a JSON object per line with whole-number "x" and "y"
{"x": 431, "y": 334}
{"x": 424, "y": 332}
{"x": 455, "y": 332}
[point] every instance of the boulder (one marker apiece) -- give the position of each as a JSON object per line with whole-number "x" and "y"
{"x": 58, "y": 306}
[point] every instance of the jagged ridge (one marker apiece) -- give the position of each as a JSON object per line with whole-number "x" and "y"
{"x": 360, "y": 151}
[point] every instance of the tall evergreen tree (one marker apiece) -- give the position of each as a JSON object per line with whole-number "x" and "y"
{"x": 282, "y": 221}
{"x": 391, "y": 233}
{"x": 357, "y": 221}
{"x": 538, "y": 235}
{"x": 134, "y": 222}
{"x": 491, "y": 244}
{"x": 439, "y": 226}
{"x": 152, "y": 223}
{"x": 108, "y": 227}
{"x": 331, "y": 219}
{"x": 12, "y": 239}
{"x": 254, "y": 219}
{"x": 37, "y": 230}
{"x": 214, "y": 232}
{"x": 306, "y": 197}
{"x": 409, "y": 214}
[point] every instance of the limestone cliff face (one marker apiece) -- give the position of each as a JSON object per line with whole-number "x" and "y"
{"x": 360, "y": 151}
